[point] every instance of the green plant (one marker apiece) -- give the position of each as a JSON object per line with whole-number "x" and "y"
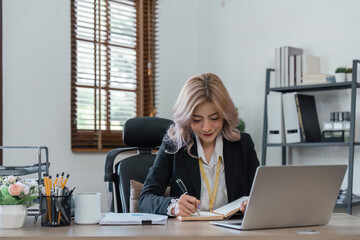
{"x": 340, "y": 70}
{"x": 241, "y": 125}
{"x": 348, "y": 70}
{"x": 13, "y": 191}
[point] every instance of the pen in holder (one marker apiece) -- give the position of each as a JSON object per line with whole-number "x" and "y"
{"x": 55, "y": 210}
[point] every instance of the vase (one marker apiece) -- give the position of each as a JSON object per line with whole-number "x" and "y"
{"x": 340, "y": 77}
{"x": 348, "y": 77}
{"x": 12, "y": 216}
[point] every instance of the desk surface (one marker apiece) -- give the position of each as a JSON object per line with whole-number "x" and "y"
{"x": 341, "y": 226}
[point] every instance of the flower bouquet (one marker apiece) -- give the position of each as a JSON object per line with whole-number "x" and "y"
{"x": 14, "y": 191}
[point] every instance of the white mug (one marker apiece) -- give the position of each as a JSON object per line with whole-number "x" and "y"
{"x": 87, "y": 208}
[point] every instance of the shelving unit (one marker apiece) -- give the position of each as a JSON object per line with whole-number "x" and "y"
{"x": 40, "y": 167}
{"x": 353, "y": 85}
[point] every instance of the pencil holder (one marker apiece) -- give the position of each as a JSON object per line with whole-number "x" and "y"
{"x": 55, "y": 211}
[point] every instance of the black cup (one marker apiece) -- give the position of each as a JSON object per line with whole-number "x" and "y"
{"x": 55, "y": 211}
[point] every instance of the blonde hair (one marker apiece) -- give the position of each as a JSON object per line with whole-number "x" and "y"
{"x": 206, "y": 87}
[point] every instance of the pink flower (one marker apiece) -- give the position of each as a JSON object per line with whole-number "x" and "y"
{"x": 11, "y": 179}
{"x": 26, "y": 190}
{"x": 15, "y": 189}
{"x": 33, "y": 183}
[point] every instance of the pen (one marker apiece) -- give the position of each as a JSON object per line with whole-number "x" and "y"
{"x": 71, "y": 191}
{"x": 184, "y": 190}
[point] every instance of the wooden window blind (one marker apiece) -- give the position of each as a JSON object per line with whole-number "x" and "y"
{"x": 113, "y": 70}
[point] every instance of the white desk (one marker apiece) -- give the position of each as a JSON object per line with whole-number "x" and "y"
{"x": 341, "y": 226}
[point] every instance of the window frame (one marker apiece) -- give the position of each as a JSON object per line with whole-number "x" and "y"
{"x": 146, "y": 35}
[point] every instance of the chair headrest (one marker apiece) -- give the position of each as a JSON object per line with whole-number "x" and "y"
{"x": 145, "y": 131}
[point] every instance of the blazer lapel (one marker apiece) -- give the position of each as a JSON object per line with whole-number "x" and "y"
{"x": 230, "y": 169}
{"x": 194, "y": 170}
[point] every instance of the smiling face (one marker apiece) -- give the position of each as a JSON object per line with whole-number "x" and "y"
{"x": 206, "y": 123}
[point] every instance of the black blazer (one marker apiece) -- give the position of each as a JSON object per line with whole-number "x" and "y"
{"x": 240, "y": 163}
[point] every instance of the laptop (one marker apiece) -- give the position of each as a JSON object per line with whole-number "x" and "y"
{"x": 290, "y": 196}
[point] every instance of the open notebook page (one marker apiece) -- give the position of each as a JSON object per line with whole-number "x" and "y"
{"x": 230, "y": 208}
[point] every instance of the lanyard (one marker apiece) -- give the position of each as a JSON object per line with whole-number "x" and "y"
{"x": 212, "y": 194}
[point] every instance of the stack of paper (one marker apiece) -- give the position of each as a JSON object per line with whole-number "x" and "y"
{"x": 133, "y": 218}
{"x": 319, "y": 78}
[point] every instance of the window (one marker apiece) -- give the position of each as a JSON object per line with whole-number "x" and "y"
{"x": 113, "y": 69}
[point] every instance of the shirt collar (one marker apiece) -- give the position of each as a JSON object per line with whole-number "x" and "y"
{"x": 218, "y": 150}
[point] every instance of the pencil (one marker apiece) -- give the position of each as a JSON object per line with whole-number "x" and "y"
{"x": 46, "y": 184}
{"x": 50, "y": 183}
{"x": 48, "y": 201}
{"x": 61, "y": 179}
{"x": 56, "y": 179}
{"x": 64, "y": 182}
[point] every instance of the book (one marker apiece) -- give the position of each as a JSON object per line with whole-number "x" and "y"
{"x": 319, "y": 78}
{"x": 298, "y": 69}
{"x": 133, "y": 219}
{"x": 217, "y": 214}
{"x": 311, "y": 64}
{"x": 308, "y": 118}
{"x": 291, "y": 120}
{"x": 292, "y": 70}
{"x": 282, "y": 67}
{"x": 295, "y": 70}
{"x": 289, "y": 51}
{"x": 277, "y": 67}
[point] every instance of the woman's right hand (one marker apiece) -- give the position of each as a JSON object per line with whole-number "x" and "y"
{"x": 186, "y": 206}
{"x": 243, "y": 205}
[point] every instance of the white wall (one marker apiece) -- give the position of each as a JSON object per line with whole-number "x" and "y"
{"x": 37, "y": 91}
{"x": 178, "y": 49}
{"x": 232, "y": 38}
{"x": 237, "y": 40}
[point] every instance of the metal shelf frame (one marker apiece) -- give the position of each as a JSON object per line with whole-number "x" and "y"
{"x": 353, "y": 85}
{"x": 39, "y": 149}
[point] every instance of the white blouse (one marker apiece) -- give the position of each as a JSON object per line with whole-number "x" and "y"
{"x": 210, "y": 170}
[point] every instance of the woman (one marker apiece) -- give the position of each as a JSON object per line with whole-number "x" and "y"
{"x": 204, "y": 149}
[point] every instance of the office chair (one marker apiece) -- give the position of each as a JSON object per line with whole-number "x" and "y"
{"x": 141, "y": 134}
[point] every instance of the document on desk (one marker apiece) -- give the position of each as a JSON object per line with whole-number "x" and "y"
{"x": 133, "y": 219}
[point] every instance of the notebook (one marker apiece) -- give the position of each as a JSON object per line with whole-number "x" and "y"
{"x": 217, "y": 214}
{"x": 290, "y": 196}
{"x": 133, "y": 218}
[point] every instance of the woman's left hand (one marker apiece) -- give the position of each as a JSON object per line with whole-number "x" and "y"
{"x": 243, "y": 205}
